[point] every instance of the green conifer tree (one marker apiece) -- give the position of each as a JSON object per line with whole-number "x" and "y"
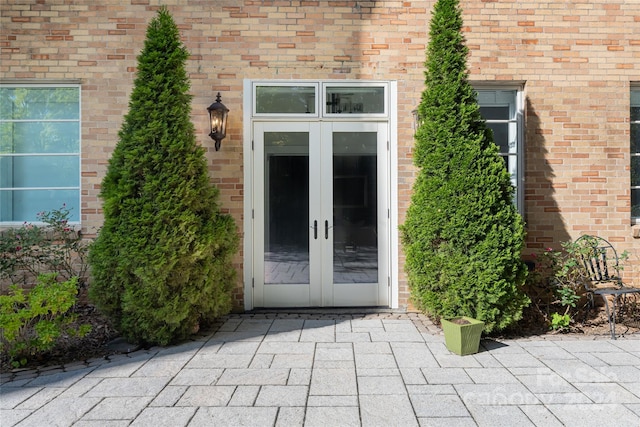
{"x": 463, "y": 236}
{"x": 161, "y": 263}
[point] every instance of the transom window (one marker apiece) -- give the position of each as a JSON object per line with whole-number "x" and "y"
{"x": 285, "y": 99}
{"x": 502, "y": 111}
{"x": 635, "y": 155}
{"x": 321, "y": 99}
{"x": 39, "y": 151}
{"x": 354, "y": 100}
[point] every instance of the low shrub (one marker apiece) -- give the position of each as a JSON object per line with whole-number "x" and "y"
{"x": 53, "y": 247}
{"x": 32, "y": 321}
{"x": 556, "y": 285}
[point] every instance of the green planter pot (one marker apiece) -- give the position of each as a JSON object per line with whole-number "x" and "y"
{"x": 462, "y": 339}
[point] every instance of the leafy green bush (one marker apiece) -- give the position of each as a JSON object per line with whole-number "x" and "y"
{"x": 54, "y": 247}
{"x": 462, "y": 236}
{"x": 32, "y": 322}
{"x": 556, "y": 285}
{"x": 560, "y": 321}
{"x": 162, "y": 262}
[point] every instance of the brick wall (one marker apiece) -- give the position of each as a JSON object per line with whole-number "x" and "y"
{"x": 576, "y": 61}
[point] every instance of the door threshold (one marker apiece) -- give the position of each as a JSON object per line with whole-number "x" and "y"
{"x": 326, "y": 310}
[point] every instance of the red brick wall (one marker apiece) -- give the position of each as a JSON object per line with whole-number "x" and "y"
{"x": 576, "y": 61}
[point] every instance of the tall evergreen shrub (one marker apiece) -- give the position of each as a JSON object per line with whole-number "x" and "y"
{"x": 161, "y": 263}
{"x": 463, "y": 235}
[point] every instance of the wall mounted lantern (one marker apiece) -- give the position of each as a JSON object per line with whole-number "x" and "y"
{"x": 218, "y": 117}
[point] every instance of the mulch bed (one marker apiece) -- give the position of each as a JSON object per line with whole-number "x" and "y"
{"x": 69, "y": 349}
{"x": 96, "y": 344}
{"x": 595, "y": 325}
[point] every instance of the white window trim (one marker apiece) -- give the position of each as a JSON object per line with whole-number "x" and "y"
{"x": 249, "y": 116}
{"x": 284, "y": 83}
{"x": 634, "y": 100}
{"x": 49, "y": 84}
{"x": 320, "y": 99}
{"x": 520, "y": 124}
{"x": 352, "y": 116}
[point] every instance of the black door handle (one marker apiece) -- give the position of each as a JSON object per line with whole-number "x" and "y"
{"x": 326, "y": 229}
{"x": 315, "y": 229}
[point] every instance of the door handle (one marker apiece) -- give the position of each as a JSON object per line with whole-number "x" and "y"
{"x": 315, "y": 229}
{"x": 326, "y": 229}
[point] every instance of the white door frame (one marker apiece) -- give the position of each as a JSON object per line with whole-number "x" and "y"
{"x": 281, "y": 292}
{"x": 249, "y": 190}
{"x": 347, "y": 294}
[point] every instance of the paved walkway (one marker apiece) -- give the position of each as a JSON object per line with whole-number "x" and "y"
{"x": 329, "y": 370}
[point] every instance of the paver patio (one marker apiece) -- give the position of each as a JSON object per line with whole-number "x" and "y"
{"x": 337, "y": 369}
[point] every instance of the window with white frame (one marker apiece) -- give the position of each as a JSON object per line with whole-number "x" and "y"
{"x": 502, "y": 110}
{"x": 635, "y": 155}
{"x": 39, "y": 150}
{"x": 339, "y": 100}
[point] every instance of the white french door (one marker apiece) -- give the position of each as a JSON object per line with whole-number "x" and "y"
{"x": 321, "y": 227}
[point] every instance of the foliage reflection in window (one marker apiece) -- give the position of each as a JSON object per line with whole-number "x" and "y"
{"x": 39, "y": 151}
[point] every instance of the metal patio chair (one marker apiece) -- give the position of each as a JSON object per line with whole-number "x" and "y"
{"x": 601, "y": 263}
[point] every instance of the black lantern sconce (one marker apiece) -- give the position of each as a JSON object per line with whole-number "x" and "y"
{"x": 218, "y": 117}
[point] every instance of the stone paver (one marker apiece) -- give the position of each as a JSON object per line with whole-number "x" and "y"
{"x": 387, "y": 410}
{"x": 323, "y": 416}
{"x": 315, "y": 368}
{"x": 118, "y": 408}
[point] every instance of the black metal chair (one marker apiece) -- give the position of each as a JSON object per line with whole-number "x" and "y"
{"x": 601, "y": 263}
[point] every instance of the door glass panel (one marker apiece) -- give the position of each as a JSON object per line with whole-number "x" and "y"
{"x": 286, "y": 99}
{"x": 355, "y": 216}
{"x": 286, "y": 238}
